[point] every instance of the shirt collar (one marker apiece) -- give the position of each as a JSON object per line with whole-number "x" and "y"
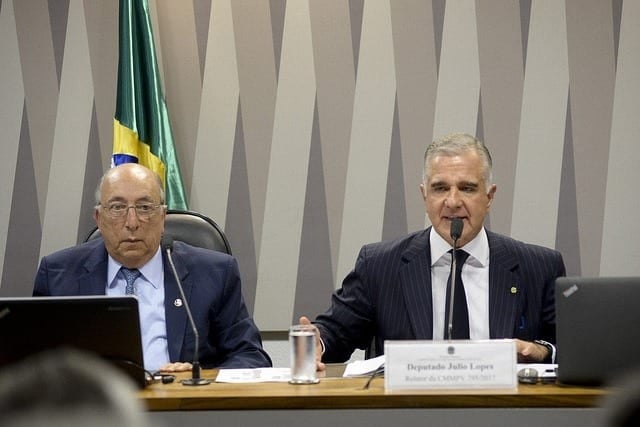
{"x": 478, "y": 248}
{"x": 151, "y": 271}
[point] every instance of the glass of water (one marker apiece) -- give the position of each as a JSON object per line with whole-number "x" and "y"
{"x": 302, "y": 341}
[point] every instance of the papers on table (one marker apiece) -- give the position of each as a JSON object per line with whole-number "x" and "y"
{"x": 353, "y": 369}
{"x": 359, "y": 368}
{"x": 257, "y": 375}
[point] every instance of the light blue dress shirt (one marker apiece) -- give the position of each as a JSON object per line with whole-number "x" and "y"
{"x": 149, "y": 290}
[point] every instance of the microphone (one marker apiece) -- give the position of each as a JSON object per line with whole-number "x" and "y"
{"x": 167, "y": 246}
{"x": 455, "y": 232}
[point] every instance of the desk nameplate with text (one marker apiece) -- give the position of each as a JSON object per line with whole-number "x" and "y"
{"x": 487, "y": 364}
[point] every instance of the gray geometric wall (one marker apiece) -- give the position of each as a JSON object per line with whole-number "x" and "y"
{"x": 300, "y": 126}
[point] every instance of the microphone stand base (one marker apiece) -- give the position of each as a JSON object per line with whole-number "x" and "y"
{"x": 195, "y": 381}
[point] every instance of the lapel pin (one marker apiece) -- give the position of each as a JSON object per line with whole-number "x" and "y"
{"x": 514, "y": 290}
{"x": 178, "y": 302}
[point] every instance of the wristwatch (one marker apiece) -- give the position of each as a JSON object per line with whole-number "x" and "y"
{"x": 551, "y": 350}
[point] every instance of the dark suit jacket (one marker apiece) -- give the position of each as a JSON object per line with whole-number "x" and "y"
{"x": 388, "y": 295}
{"x": 211, "y": 281}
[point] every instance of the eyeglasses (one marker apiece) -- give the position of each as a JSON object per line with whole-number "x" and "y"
{"x": 144, "y": 211}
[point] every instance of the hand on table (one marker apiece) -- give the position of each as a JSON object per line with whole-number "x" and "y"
{"x": 176, "y": 367}
{"x": 529, "y": 352}
{"x": 319, "y": 365}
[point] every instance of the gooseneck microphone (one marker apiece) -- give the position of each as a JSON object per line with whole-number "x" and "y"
{"x": 167, "y": 246}
{"x": 455, "y": 232}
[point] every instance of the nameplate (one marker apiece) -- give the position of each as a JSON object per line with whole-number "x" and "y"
{"x": 487, "y": 364}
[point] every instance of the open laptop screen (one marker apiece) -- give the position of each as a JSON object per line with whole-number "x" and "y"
{"x": 597, "y": 328}
{"x": 106, "y": 326}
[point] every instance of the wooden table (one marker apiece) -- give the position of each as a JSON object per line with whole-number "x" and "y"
{"x": 338, "y": 397}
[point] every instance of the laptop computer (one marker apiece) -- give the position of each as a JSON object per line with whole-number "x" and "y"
{"x": 106, "y": 326}
{"x": 597, "y": 328}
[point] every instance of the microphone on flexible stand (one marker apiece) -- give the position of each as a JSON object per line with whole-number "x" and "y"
{"x": 167, "y": 245}
{"x": 456, "y": 232}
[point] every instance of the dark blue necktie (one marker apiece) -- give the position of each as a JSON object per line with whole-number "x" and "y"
{"x": 130, "y": 275}
{"x": 460, "y": 329}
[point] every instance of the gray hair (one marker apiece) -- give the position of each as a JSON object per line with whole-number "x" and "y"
{"x": 65, "y": 387}
{"x": 98, "y": 192}
{"x": 454, "y": 145}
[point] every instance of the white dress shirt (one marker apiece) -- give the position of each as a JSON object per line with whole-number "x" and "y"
{"x": 475, "y": 277}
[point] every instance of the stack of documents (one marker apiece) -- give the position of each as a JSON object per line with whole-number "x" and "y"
{"x": 359, "y": 368}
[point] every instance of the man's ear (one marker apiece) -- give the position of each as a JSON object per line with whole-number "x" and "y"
{"x": 491, "y": 194}
{"x": 423, "y": 191}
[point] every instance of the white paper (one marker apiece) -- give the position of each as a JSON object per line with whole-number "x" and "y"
{"x": 256, "y": 375}
{"x": 363, "y": 367}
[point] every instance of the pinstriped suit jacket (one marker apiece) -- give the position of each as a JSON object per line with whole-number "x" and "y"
{"x": 388, "y": 295}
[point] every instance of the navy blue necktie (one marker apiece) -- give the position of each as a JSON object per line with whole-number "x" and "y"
{"x": 130, "y": 275}
{"x": 460, "y": 329}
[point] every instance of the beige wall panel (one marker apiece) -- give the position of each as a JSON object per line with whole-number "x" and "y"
{"x": 217, "y": 119}
{"x": 335, "y": 77}
{"x": 70, "y": 141}
{"x": 368, "y": 164}
{"x": 417, "y": 79}
{"x": 102, "y": 31}
{"x": 542, "y": 126}
{"x": 40, "y": 85}
{"x": 287, "y": 181}
{"x": 11, "y": 108}
{"x": 459, "y": 77}
{"x": 258, "y": 85}
{"x": 620, "y": 242}
{"x": 592, "y": 74}
{"x": 501, "y": 80}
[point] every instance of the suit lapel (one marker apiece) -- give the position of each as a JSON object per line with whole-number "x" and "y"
{"x": 93, "y": 280}
{"x": 415, "y": 282}
{"x": 176, "y": 315}
{"x": 505, "y": 291}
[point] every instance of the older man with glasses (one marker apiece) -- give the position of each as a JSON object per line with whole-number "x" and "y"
{"x": 127, "y": 259}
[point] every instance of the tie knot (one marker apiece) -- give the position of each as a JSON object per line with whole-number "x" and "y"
{"x": 461, "y": 256}
{"x": 130, "y": 275}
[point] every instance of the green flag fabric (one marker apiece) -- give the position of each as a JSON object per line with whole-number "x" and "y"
{"x": 141, "y": 128}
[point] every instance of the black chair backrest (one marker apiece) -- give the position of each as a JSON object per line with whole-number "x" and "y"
{"x": 192, "y": 228}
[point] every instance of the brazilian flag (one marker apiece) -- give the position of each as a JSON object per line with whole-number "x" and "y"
{"x": 141, "y": 128}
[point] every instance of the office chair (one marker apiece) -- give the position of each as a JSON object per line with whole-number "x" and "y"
{"x": 190, "y": 227}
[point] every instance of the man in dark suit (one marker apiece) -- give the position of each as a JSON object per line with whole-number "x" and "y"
{"x": 398, "y": 289}
{"x": 130, "y": 214}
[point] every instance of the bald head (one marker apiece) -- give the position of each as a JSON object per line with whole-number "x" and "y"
{"x": 130, "y": 213}
{"x": 129, "y": 168}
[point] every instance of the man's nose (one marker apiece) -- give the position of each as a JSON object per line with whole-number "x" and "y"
{"x": 453, "y": 200}
{"x": 132, "y": 220}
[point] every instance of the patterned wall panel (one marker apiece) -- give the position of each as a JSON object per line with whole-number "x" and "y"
{"x": 301, "y": 125}
{"x": 12, "y": 114}
{"x": 620, "y": 243}
{"x": 543, "y": 125}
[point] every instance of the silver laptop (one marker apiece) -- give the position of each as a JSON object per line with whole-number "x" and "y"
{"x": 597, "y": 328}
{"x": 106, "y": 326}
